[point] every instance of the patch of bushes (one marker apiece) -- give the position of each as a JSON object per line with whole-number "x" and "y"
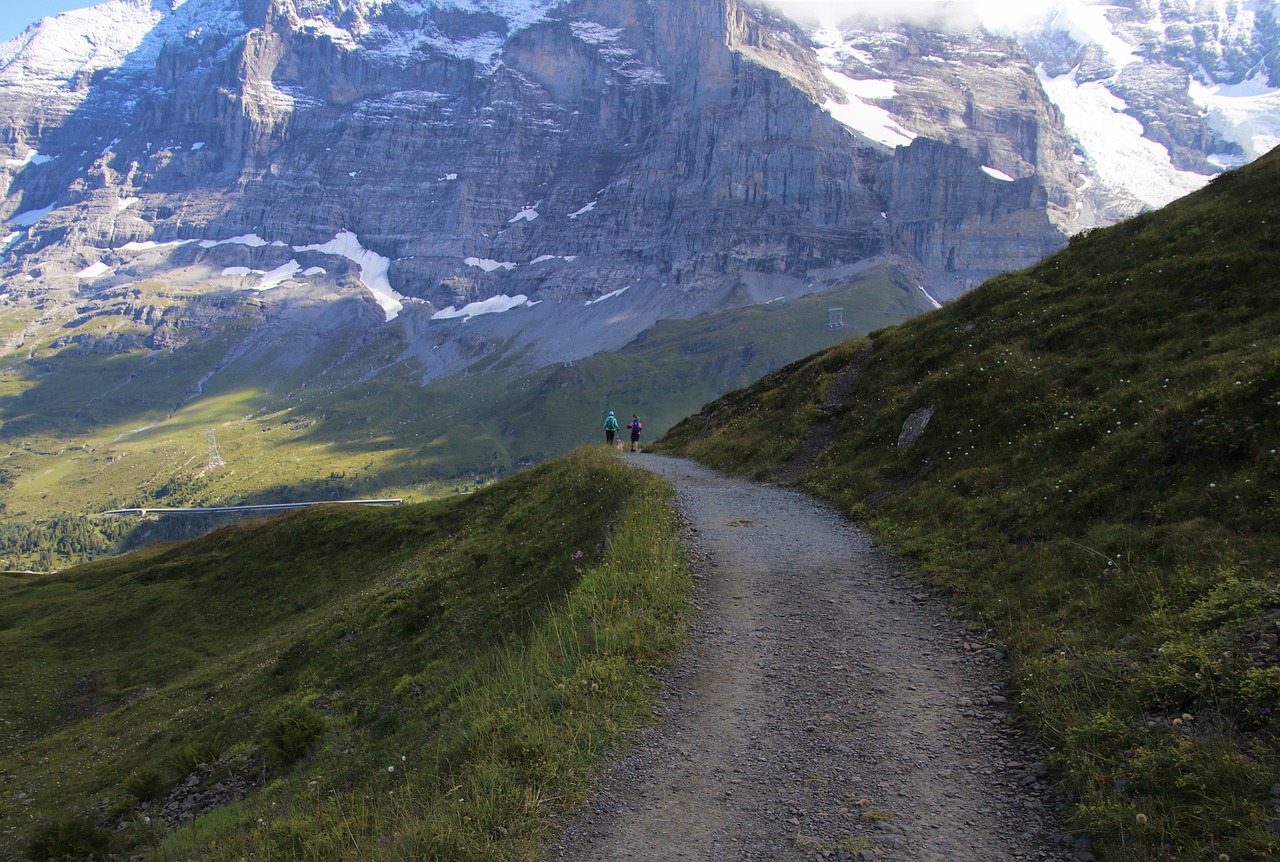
{"x": 293, "y": 732}
{"x": 69, "y": 839}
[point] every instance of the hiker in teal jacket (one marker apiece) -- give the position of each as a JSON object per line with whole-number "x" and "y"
{"x": 610, "y": 428}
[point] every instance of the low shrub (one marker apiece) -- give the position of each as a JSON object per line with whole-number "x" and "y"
{"x": 69, "y": 839}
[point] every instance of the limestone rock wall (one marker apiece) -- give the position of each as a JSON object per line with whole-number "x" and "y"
{"x": 608, "y": 143}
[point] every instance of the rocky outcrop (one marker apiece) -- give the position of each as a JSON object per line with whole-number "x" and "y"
{"x": 962, "y": 224}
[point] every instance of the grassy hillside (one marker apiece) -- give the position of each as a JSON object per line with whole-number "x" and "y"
{"x": 82, "y": 433}
{"x": 1098, "y": 485}
{"x": 427, "y": 681}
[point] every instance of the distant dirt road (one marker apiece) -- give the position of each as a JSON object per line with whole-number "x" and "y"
{"x": 827, "y": 707}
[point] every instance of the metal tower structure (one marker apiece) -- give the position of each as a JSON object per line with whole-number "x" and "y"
{"x": 215, "y": 457}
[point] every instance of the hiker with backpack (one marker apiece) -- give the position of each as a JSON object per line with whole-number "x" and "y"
{"x": 635, "y": 427}
{"x": 610, "y": 428}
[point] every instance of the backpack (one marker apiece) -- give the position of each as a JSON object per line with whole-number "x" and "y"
{"x": 636, "y": 426}
{"x": 611, "y": 424}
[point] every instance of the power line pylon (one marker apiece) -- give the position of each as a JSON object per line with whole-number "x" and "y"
{"x": 215, "y": 457}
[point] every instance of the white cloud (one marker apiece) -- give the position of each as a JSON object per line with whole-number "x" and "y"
{"x": 996, "y": 15}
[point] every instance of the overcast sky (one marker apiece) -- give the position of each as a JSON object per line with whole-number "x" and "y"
{"x": 15, "y": 15}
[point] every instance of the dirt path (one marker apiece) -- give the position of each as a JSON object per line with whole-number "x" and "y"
{"x": 827, "y": 707}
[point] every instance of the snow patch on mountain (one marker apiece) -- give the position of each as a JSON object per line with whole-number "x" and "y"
{"x": 1214, "y": 41}
{"x": 149, "y": 245}
{"x": 125, "y": 35}
{"x": 94, "y": 270}
{"x": 373, "y": 269}
{"x": 1089, "y": 52}
{"x": 1247, "y": 114}
{"x": 32, "y": 158}
{"x": 608, "y": 41}
{"x": 279, "y": 275}
{"x": 857, "y": 111}
{"x": 1088, "y": 24}
{"x": 399, "y": 30}
{"x": 493, "y": 305}
{"x": 489, "y": 264}
{"x": 595, "y": 34}
{"x": 250, "y": 239}
{"x": 269, "y": 280}
{"x": 617, "y": 292}
{"x": 858, "y": 114}
{"x": 92, "y": 39}
{"x": 30, "y": 217}
{"x": 1116, "y": 153}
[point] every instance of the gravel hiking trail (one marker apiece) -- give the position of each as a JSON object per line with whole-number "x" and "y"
{"x": 826, "y": 707}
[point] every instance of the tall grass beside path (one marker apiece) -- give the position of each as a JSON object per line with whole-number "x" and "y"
{"x": 435, "y": 681}
{"x": 530, "y": 723}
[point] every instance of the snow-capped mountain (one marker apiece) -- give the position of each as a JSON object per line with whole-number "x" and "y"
{"x": 579, "y": 169}
{"x": 1159, "y": 94}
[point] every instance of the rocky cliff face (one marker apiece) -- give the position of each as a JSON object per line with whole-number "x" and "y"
{"x": 664, "y": 143}
{"x": 444, "y": 160}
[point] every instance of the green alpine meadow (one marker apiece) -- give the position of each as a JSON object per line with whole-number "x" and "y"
{"x": 430, "y": 681}
{"x": 1084, "y": 456}
{"x": 82, "y": 434}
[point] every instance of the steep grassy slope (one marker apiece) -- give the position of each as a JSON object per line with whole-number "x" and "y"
{"x": 1099, "y": 485}
{"x": 357, "y": 672}
{"x": 83, "y": 433}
